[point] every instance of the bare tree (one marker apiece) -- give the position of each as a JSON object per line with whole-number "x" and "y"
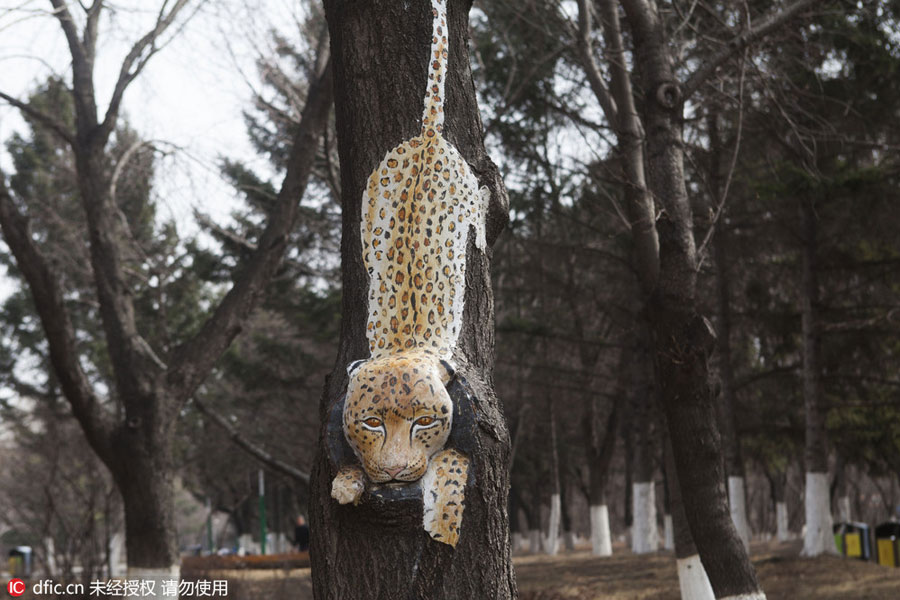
{"x": 151, "y": 384}
{"x": 650, "y": 147}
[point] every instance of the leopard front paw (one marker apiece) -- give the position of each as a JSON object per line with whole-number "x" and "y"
{"x": 444, "y": 496}
{"x": 348, "y": 485}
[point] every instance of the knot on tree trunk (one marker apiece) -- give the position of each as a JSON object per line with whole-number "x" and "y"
{"x": 668, "y": 95}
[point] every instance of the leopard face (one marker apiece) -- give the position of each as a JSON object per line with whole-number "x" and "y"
{"x": 398, "y": 414}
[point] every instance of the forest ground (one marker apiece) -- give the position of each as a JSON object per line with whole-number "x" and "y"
{"x": 625, "y": 576}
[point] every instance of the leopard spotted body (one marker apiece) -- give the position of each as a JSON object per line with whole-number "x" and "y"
{"x": 417, "y": 210}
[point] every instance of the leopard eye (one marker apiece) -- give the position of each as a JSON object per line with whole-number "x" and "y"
{"x": 424, "y": 421}
{"x": 372, "y": 422}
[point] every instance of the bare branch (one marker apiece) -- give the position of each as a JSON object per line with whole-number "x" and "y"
{"x": 208, "y": 223}
{"x": 763, "y": 28}
{"x": 137, "y": 59}
{"x": 586, "y": 50}
{"x": 82, "y": 66}
{"x": 192, "y": 361}
{"x": 48, "y": 300}
{"x": 252, "y": 449}
{"x": 724, "y": 197}
{"x": 123, "y": 161}
{"x": 43, "y": 118}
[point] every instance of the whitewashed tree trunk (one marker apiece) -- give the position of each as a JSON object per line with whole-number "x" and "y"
{"x": 782, "y": 533}
{"x": 246, "y": 545}
{"x": 569, "y": 541}
{"x": 737, "y": 502}
{"x": 644, "y": 534}
{"x": 818, "y": 538}
{"x": 117, "y": 555}
{"x": 50, "y": 557}
{"x": 668, "y": 532}
{"x": 534, "y": 541}
{"x": 518, "y": 541}
{"x": 843, "y": 509}
{"x": 692, "y": 579}
{"x": 552, "y": 542}
{"x": 155, "y": 583}
{"x": 601, "y": 540}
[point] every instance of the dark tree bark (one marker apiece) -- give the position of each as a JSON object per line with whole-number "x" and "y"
{"x": 692, "y": 575}
{"x": 151, "y": 385}
{"x": 734, "y": 464}
{"x": 552, "y": 544}
{"x": 378, "y": 549}
{"x": 644, "y": 530}
{"x": 817, "y": 539}
{"x": 666, "y": 258}
{"x": 683, "y": 338}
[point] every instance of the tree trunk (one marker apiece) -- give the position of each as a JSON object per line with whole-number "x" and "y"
{"x": 600, "y": 445}
{"x": 378, "y": 549}
{"x": 818, "y": 538}
{"x": 644, "y": 531}
{"x": 734, "y": 464}
{"x": 683, "y": 337}
{"x": 692, "y": 578}
{"x": 778, "y": 483}
{"x": 148, "y": 497}
{"x": 551, "y": 546}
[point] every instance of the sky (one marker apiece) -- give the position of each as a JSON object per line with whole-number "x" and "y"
{"x": 189, "y": 100}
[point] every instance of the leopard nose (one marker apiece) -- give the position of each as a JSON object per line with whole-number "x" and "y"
{"x": 393, "y": 470}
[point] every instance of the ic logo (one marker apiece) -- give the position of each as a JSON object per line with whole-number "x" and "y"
{"x": 15, "y": 587}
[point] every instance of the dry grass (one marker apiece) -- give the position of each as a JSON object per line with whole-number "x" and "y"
{"x": 580, "y": 576}
{"x": 783, "y": 574}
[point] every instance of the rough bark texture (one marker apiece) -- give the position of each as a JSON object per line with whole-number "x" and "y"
{"x": 816, "y": 450}
{"x": 682, "y": 337}
{"x": 379, "y": 549}
{"x": 817, "y": 539}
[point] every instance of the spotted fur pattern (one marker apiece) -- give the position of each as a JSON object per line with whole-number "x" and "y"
{"x": 444, "y": 499}
{"x": 417, "y": 210}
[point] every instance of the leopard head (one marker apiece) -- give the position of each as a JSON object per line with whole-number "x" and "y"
{"x": 398, "y": 414}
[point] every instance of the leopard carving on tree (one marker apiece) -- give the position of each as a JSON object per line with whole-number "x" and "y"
{"x": 398, "y": 413}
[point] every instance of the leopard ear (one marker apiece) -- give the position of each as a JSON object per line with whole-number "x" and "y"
{"x": 353, "y": 367}
{"x": 447, "y": 371}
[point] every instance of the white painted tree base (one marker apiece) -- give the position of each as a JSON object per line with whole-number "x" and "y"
{"x": 601, "y": 540}
{"x": 534, "y": 541}
{"x": 552, "y": 541}
{"x": 843, "y": 509}
{"x": 518, "y": 542}
{"x": 692, "y": 579}
{"x": 738, "y": 506}
{"x": 782, "y": 533}
{"x": 644, "y": 534}
{"x": 818, "y": 537}
{"x": 756, "y": 596}
{"x": 668, "y": 533}
{"x": 161, "y": 581}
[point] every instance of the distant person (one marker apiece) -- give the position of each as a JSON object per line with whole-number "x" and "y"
{"x": 301, "y": 534}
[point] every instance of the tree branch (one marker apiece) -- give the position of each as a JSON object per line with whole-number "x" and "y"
{"x": 42, "y": 118}
{"x": 48, "y": 300}
{"x": 586, "y": 50}
{"x": 738, "y": 43}
{"x": 82, "y": 67}
{"x": 193, "y": 360}
{"x": 136, "y": 60}
{"x": 252, "y": 449}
